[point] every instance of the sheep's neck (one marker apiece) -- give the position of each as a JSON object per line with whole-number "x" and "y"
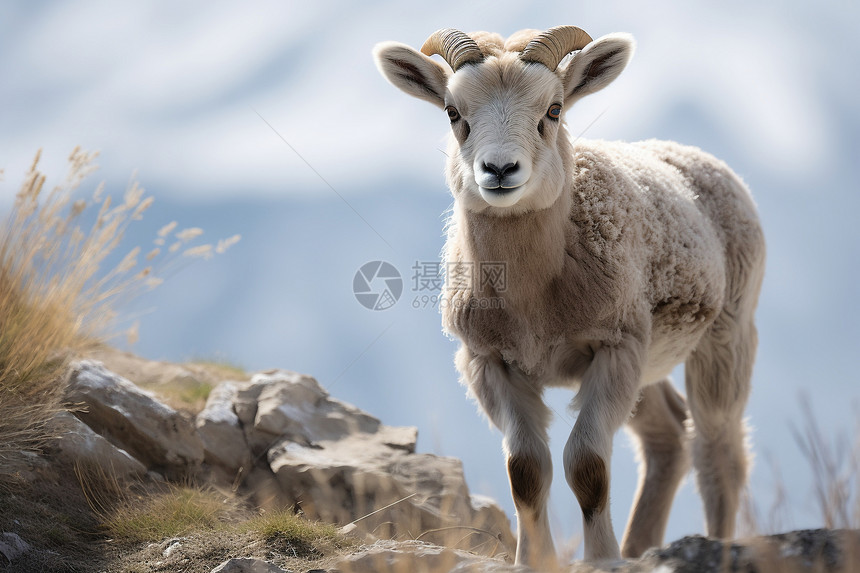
{"x": 530, "y": 249}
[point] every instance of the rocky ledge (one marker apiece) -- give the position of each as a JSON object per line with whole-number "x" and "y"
{"x": 282, "y": 441}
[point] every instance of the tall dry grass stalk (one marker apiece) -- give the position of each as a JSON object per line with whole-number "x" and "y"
{"x": 56, "y": 298}
{"x": 834, "y": 462}
{"x": 835, "y": 466}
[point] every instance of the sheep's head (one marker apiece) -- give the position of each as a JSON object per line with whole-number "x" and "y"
{"x": 506, "y": 102}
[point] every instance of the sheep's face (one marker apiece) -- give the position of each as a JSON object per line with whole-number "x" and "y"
{"x": 509, "y": 149}
{"x": 506, "y": 118}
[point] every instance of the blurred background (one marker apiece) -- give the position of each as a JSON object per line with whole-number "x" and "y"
{"x": 269, "y": 119}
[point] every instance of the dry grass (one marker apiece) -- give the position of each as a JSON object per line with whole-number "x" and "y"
{"x": 223, "y": 367}
{"x": 96, "y": 523}
{"x": 57, "y": 297}
{"x": 146, "y": 514}
{"x": 151, "y": 513}
{"x": 138, "y": 513}
{"x": 176, "y": 511}
{"x": 835, "y": 466}
{"x": 52, "y": 515}
{"x": 188, "y": 395}
{"x": 299, "y": 536}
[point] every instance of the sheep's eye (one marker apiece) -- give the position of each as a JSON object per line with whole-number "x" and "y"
{"x": 453, "y": 114}
{"x": 554, "y": 111}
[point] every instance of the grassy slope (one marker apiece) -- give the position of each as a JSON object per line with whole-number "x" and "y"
{"x": 79, "y": 520}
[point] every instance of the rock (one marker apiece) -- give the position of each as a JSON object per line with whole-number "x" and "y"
{"x": 363, "y": 481}
{"x": 76, "y": 443}
{"x": 295, "y": 405}
{"x": 242, "y": 420}
{"x": 264, "y": 489}
{"x": 697, "y": 553}
{"x": 245, "y": 406}
{"x": 280, "y": 404}
{"x": 246, "y": 398}
{"x": 399, "y": 437}
{"x": 341, "y": 465}
{"x": 244, "y": 565}
{"x": 174, "y": 545}
{"x": 419, "y": 557}
{"x": 134, "y": 420}
{"x": 221, "y": 431}
{"x": 328, "y": 458}
{"x": 337, "y": 481}
{"x": 12, "y": 547}
{"x": 819, "y": 550}
{"x": 487, "y": 516}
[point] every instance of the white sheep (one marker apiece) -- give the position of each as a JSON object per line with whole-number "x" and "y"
{"x": 621, "y": 261}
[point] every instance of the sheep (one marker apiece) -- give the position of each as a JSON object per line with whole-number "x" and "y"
{"x": 621, "y": 261}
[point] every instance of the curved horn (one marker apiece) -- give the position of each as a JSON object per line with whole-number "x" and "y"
{"x": 454, "y": 46}
{"x": 550, "y": 47}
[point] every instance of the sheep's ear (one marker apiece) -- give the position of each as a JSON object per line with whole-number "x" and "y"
{"x": 597, "y": 65}
{"x": 412, "y": 71}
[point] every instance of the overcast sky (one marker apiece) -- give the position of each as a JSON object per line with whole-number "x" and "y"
{"x": 270, "y": 119}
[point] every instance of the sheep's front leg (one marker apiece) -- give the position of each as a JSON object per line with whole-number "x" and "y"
{"x": 514, "y": 403}
{"x": 606, "y": 397}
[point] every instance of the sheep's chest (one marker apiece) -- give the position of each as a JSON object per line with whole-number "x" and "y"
{"x": 487, "y": 324}
{"x": 548, "y": 328}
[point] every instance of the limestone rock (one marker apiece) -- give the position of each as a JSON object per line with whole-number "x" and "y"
{"x": 341, "y": 465}
{"x": 280, "y": 404}
{"x": 295, "y": 405}
{"x": 173, "y": 545}
{"x": 76, "y": 443}
{"x": 298, "y": 446}
{"x": 246, "y": 565}
{"x": 488, "y": 516}
{"x": 134, "y": 419}
{"x": 264, "y": 490}
{"x": 12, "y": 547}
{"x": 221, "y": 431}
{"x": 388, "y": 492}
{"x": 399, "y": 437}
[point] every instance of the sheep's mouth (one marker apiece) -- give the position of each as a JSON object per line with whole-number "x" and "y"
{"x": 500, "y": 190}
{"x": 502, "y": 196}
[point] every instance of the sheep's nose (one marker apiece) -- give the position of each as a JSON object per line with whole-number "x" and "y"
{"x": 504, "y": 171}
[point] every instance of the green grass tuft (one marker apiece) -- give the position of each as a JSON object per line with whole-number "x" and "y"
{"x": 176, "y": 512}
{"x": 223, "y": 367}
{"x": 287, "y": 525}
{"x": 302, "y": 537}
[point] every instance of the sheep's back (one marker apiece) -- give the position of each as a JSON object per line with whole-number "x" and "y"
{"x": 726, "y": 201}
{"x": 679, "y": 222}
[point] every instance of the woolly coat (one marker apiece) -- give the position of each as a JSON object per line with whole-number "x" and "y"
{"x": 650, "y": 239}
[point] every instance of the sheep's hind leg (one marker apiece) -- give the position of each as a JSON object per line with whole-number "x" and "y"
{"x": 659, "y": 424}
{"x": 718, "y": 383}
{"x": 515, "y": 405}
{"x": 606, "y": 397}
